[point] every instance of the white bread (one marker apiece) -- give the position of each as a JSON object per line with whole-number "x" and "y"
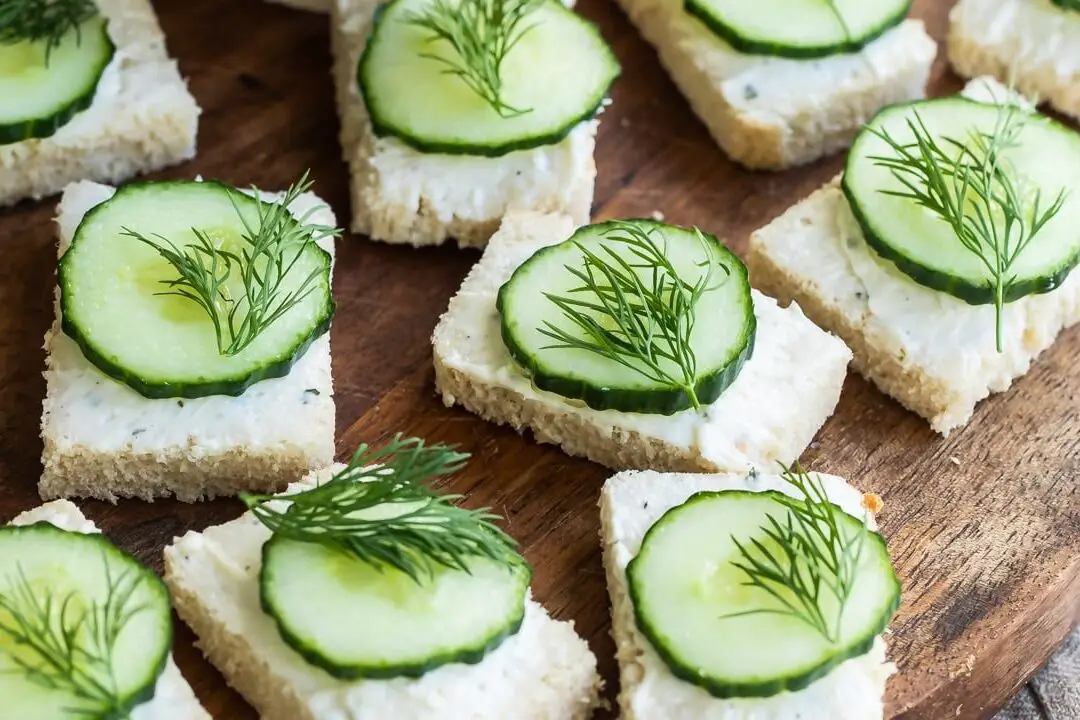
{"x": 806, "y": 255}
{"x": 753, "y": 423}
{"x": 544, "y": 672}
{"x": 774, "y": 113}
{"x": 1032, "y": 43}
{"x": 630, "y": 503}
{"x": 142, "y": 118}
{"x": 400, "y": 195}
{"x": 104, "y": 440}
{"x": 173, "y": 697}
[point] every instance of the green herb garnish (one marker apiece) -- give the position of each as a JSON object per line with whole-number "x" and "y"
{"x": 969, "y": 184}
{"x": 67, "y": 643}
{"x": 479, "y": 35}
{"x": 380, "y": 511}
{"x": 273, "y": 246}
{"x": 633, "y": 308}
{"x": 45, "y": 21}
{"x": 804, "y": 557}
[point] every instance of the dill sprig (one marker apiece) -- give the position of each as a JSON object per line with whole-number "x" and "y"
{"x": 969, "y": 184}
{"x": 67, "y": 644}
{"x": 633, "y": 308}
{"x": 480, "y": 34}
{"x": 45, "y": 21}
{"x": 273, "y": 244}
{"x": 412, "y": 529}
{"x": 810, "y": 559}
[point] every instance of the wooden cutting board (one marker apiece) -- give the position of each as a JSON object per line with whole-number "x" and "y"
{"x": 984, "y": 527}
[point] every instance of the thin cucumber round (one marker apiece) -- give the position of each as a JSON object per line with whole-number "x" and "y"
{"x": 113, "y": 303}
{"x": 355, "y": 620}
{"x": 924, "y": 247}
{"x": 720, "y": 341}
{"x": 799, "y": 28}
{"x": 104, "y": 611}
{"x": 1068, "y": 4}
{"x": 714, "y": 630}
{"x": 553, "y": 78}
{"x": 40, "y": 97}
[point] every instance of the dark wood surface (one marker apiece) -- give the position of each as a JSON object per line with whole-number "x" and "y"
{"x": 984, "y": 527}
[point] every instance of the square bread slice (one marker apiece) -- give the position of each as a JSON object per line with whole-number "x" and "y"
{"x": 754, "y": 423}
{"x": 142, "y": 118}
{"x": 932, "y": 352}
{"x": 630, "y": 503}
{"x": 173, "y": 697}
{"x": 772, "y": 113}
{"x": 1033, "y": 44}
{"x": 543, "y": 672}
{"x": 401, "y": 195}
{"x": 104, "y": 440}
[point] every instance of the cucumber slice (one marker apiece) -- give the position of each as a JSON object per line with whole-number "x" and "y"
{"x": 921, "y": 245}
{"x": 69, "y": 578}
{"x": 721, "y": 340}
{"x": 1068, "y": 4}
{"x": 356, "y": 620}
{"x": 686, "y": 589}
{"x": 164, "y": 345}
{"x": 559, "y": 71}
{"x": 40, "y": 98}
{"x": 799, "y": 28}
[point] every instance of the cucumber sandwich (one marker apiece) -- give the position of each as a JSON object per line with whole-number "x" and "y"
{"x": 87, "y": 91}
{"x": 365, "y": 590}
{"x": 634, "y": 343}
{"x": 949, "y": 246}
{"x": 1032, "y": 44}
{"x": 781, "y": 83}
{"x": 454, "y": 111}
{"x": 196, "y": 315}
{"x": 747, "y": 596}
{"x": 85, "y": 629}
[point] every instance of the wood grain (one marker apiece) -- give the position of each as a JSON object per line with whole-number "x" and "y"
{"x": 984, "y": 527}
